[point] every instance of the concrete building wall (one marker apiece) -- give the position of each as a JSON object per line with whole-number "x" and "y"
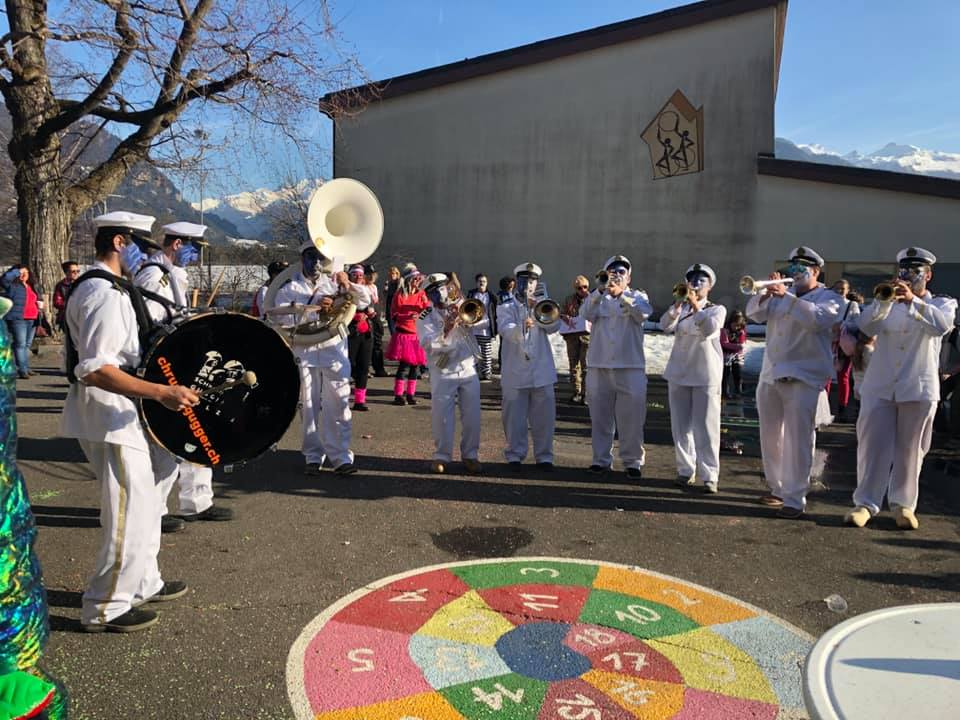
{"x": 853, "y": 225}
{"x": 546, "y": 162}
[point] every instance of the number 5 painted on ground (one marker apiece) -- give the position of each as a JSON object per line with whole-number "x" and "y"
{"x": 366, "y": 665}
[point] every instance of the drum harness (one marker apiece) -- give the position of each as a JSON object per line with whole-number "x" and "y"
{"x": 145, "y": 323}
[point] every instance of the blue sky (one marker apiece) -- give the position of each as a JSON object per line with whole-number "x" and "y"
{"x": 856, "y": 74}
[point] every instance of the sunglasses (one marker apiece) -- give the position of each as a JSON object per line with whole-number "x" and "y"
{"x": 583, "y": 287}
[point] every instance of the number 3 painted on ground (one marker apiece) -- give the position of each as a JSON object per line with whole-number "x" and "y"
{"x": 553, "y": 573}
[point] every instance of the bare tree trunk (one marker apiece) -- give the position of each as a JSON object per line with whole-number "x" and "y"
{"x": 45, "y": 216}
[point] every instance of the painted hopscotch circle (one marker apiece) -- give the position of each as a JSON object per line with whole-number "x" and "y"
{"x": 542, "y": 639}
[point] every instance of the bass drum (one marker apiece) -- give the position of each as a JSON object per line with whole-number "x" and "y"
{"x": 228, "y": 426}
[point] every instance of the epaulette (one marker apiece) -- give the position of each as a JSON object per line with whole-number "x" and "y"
{"x": 426, "y": 312}
{"x": 165, "y": 280}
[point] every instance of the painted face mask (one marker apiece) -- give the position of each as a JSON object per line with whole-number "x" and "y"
{"x": 698, "y": 281}
{"x": 312, "y": 262}
{"x": 131, "y": 257}
{"x": 526, "y": 286}
{"x": 438, "y": 295}
{"x": 913, "y": 275}
{"x": 800, "y": 273}
{"x": 617, "y": 275}
{"x": 186, "y": 255}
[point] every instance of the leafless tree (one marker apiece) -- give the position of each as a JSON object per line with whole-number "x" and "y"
{"x": 142, "y": 68}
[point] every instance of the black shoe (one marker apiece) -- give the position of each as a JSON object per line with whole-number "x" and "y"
{"x": 398, "y": 400}
{"x": 132, "y": 620}
{"x": 789, "y": 513}
{"x": 360, "y": 407}
{"x": 214, "y": 512}
{"x": 682, "y": 481}
{"x": 22, "y": 375}
{"x": 312, "y": 469}
{"x": 598, "y": 469}
{"x": 345, "y": 469}
{"x": 545, "y": 466}
{"x": 171, "y": 590}
{"x": 635, "y": 473}
{"x": 411, "y": 399}
{"x": 381, "y": 373}
{"x": 170, "y": 524}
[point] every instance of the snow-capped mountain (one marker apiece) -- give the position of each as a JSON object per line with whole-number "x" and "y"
{"x": 255, "y": 213}
{"x": 893, "y": 157}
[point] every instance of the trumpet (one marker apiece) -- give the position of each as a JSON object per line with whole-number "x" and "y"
{"x": 749, "y": 286}
{"x": 885, "y": 291}
{"x": 602, "y": 278}
{"x": 680, "y": 291}
{"x": 470, "y": 312}
{"x": 546, "y": 312}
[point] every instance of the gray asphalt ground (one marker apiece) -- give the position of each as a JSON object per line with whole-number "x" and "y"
{"x": 298, "y": 544}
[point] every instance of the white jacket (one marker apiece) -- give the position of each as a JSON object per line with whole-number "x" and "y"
{"x": 453, "y": 356}
{"x": 905, "y": 362}
{"x": 616, "y": 334}
{"x": 103, "y": 327}
{"x": 696, "y": 358}
{"x": 303, "y": 291}
{"x": 799, "y": 332}
{"x": 171, "y": 285}
{"x": 527, "y": 357}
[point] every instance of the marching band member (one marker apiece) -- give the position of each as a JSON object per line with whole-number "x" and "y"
{"x": 165, "y": 274}
{"x": 796, "y": 366}
{"x": 102, "y": 340}
{"x": 528, "y": 372}
{"x": 273, "y": 269}
{"x": 694, "y": 374}
{"x": 324, "y": 367}
{"x": 617, "y": 380}
{"x": 900, "y": 390}
{"x": 451, "y": 353}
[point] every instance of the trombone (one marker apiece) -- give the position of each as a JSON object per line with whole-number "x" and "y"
{"x": 749, "y": 286}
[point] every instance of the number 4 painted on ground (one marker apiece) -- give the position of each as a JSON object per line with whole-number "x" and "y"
{"x": 494, "y": 700}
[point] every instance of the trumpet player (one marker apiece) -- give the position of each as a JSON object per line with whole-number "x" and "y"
{"x": 324, "y": 367}
{"x": 900, "y": 389}
{"x": 617, "y": 381}
{"x": 796, "y": 366}
{"x": 694, "y": 373}
{"x": 451, "y": 355}
{"x": 165, "y": 274}
{"x": 528, "y": 372}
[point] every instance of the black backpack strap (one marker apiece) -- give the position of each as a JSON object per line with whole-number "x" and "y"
{"x": 145, "y": 323}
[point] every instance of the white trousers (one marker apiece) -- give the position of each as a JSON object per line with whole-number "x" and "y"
{"x": 618, "y": 404}
{"x": 196, "y": 482}
{"x": 695, "y": 424}
{"x": 534, "y": 409}
{"x": 445, "y": 394}
{"x": 893, "y": 438}
{"x": 325, "y": 414}
{"x": 787, "y": 413}
{"x": 126, "y": 566}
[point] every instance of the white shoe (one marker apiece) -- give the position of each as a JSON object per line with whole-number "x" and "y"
{"x": 710, "y": 488}
{"x": 858, "y": 517}
{"x": 905, "y": 518}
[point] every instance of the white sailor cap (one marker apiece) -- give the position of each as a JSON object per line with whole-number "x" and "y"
{"x": 136, "y": 224}
{"x": 528, "y": 268}
{"x": 913, "y": 256}
{"x": 806, "y": 256}
{"x": 701, "y": 268}
{"x": 307, "y": 244}
{"x": 434, "y": 279}
{"x": 617, "y": 260}
{"x": 186, "y": 231}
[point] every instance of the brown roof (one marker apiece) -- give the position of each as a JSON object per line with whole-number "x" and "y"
{"x": 552, "y": 49}
{"x": 859, "y": 177}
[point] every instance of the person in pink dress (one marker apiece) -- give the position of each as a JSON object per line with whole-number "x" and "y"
{"x": 408, "y": 302}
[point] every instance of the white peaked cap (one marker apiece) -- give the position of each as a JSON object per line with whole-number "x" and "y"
{"x": 528, "y": 268}
{"x": 124, "y": 219}
{"x": 916, "y": 256}
{"x": 700, "y": 267}
{"x": 435, "y": 279}
{"x": 185, "y": 230}
{"x": 617, "y": 259}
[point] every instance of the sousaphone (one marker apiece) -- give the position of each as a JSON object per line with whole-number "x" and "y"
{"x": 345, "y": 223}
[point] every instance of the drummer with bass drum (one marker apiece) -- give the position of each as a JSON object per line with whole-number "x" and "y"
{"x": 165, "y": 274}
{"x": 105, "y": 321}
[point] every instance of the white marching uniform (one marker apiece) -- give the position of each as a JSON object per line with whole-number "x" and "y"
{"x": 527, "y": 377}
{"x": 453, "y": 380}
{"x": 324, "y": 377}
{"x": 797, "y": 363}
{"x": 694, "y": 373}
{"x": 617, "y": 381}
{"x": 103, "y": 327}
{"x": 898, "y": 397}
{"x": 196, "y": 481}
